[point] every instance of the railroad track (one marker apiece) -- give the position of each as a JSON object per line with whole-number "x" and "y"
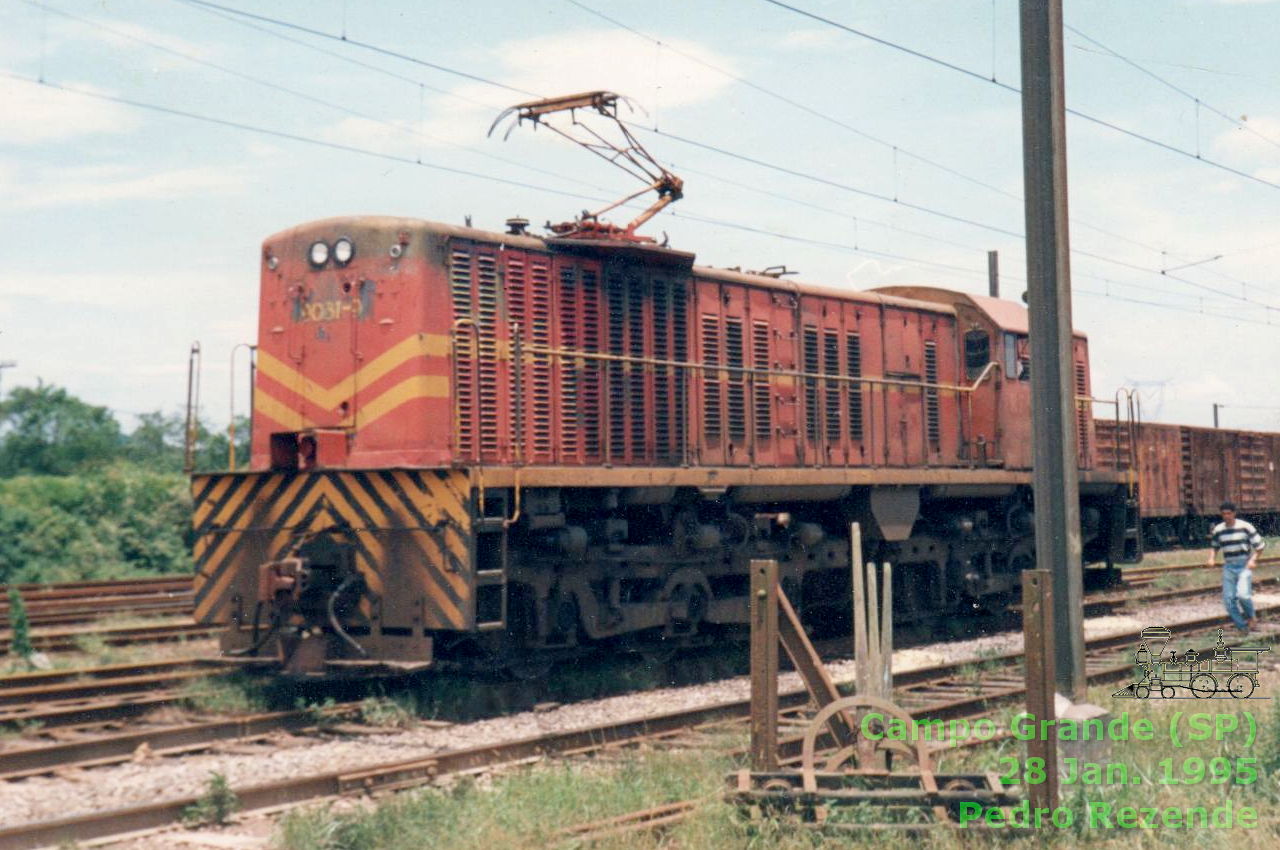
{"x": 48, "y": 605}
{"x": 71, "y": 640}
{"x": 943, "y": 691}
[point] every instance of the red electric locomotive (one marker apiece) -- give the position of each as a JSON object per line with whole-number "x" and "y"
{"x": 498, "y": 449}
{"x": 486, "y": 446}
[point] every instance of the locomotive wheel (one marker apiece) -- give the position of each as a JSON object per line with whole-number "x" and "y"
{"x": 1203, "y": 685}
{"x": 1142, "y": 692}
{"x": 1168, "y": 692}
{"x": 1241, "y": 686}
{"x": 529, "y": 667}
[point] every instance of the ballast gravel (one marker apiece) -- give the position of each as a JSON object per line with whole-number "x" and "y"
{"x": 154, "y": 779}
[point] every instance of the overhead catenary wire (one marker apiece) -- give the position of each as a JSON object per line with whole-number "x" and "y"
{"x": 400, "y": 128}
{"x": 1243, "y": 125}
{"x": 464, "y": 172}
{"x": 959, "y": 69}
{"x": 206, "y": 4}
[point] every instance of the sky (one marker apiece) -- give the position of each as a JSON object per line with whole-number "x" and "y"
{"x": 169, "y": 138}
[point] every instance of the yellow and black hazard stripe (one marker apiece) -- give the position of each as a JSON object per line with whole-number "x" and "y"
{"x": 410, "y": 530}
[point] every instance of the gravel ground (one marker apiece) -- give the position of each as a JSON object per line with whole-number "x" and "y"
{"x": 76, "y": 792}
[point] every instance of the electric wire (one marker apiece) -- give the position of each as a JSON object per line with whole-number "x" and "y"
{"x": 206, "y": 4}
{"x": 303, "y": 95}
{"x": 1153, "y": 75}
{"x": 951, "y": 66}
{"x": 373, "y": 48}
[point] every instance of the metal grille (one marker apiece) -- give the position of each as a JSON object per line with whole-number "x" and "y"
{"x": 831, "y": 388}
{"x": 711, "y": 375}
{"x": 514, "y": 284}
{"x": 571, "y": 339}
{"x": 1082, "y": 412}
{"x": 637, "y": 412}
{"x": 616, "y": 293}
{"x": 810, "y": 382}
{"x": 540, "y": 369}
{"x": 680, "y": 335}
{"x": 763, "y": 390}
{"x": 737, "y": 392}
{"x": 663, "y": 411}
{"x": 853, "y": 354}
{"x": 486, "y": 321}
{"x": 464, "y": 366}
{"x": 591, "y": 376}
{"x": 932, "y": 419}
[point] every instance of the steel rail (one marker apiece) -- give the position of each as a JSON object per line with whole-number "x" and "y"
{"x": 404, "y": 774}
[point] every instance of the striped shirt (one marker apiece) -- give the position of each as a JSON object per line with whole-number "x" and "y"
{"x": 1236, "y": 541}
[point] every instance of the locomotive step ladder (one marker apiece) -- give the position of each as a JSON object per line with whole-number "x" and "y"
{"x": 491, "y": 563}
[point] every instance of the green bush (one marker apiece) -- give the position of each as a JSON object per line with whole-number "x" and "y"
{"x": 108, "y": 523}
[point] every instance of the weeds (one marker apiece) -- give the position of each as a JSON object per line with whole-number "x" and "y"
{"x": 20, "y": 643}
{"x": 234, "y": 694}
{"x": 387, "y": 712}
{"x": 215, "y": 806}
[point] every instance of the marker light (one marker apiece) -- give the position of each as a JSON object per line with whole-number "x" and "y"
{"x": 319, "y": 254}
{"x": 343, "y": 251}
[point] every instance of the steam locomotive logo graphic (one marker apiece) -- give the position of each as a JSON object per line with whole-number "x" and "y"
{"x": 1231, "y": 672}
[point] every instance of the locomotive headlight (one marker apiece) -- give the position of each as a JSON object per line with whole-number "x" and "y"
{"x": 319, "y": 254}
{"x": 343, "y": 250}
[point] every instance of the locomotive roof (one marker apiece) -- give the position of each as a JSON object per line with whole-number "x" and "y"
{"x": 646, "y": 251}
{"x": 1007, "y": 315}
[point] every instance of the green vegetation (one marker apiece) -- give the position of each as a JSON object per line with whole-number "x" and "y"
{"x": 20, "y": 627}
{"x": 81, "y": 499}
{"x": 528, "y": 808}
{"x": 237, "y": 693}
{"x": 215, "y": 806}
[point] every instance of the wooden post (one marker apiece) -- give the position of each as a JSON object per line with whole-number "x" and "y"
{"x": 764, "y": 666}
{"x": 859, "y": 609}
{"x": 1037, "y": 637}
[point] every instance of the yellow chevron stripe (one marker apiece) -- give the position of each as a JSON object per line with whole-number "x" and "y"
{"x": 419, "y": 386}
{"x": 278, "y": 411}
{"x": 201, "y": 512}
{"x": 328, "y": 398}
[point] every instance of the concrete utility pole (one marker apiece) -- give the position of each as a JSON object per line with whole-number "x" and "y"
{"x": 993, "y": 274}
{"x": 1056, "y": 476}
{"x": 1216, "y": 406}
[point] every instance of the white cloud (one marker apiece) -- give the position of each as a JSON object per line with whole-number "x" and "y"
{"x": 99, "y": 184}
{"x": 1258, "y": 138}
{"x": 655, "y": 78}
{"x": 41, "y": 114}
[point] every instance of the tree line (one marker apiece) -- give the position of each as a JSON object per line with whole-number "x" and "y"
{"x": 82, "y": 498}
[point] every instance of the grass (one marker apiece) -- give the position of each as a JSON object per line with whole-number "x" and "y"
{"x": 522, "y": 809}
{"x": 530, "y": 807}
{"x": 237, "y": 693}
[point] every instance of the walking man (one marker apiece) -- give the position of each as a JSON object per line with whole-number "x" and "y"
{"x": 1240, "y": 543}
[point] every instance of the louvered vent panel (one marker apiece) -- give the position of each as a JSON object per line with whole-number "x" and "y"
{"x": 538, "y": 389}
{"x": 464, "y": 363}
{"x": 737, "y": 391}
{"x": 593, "y": 370}
{"x": 762, "y": 393}
{"x": 831, "y": 387}
{"x": 811, "y": 413}
{"x": 711, "y": 376}
{"x": 616, "y": 294}
{"x": 680, "y": 353}
{"x": 487, "y": 320}
{"x": 637, "y": 406}
{"x": 517, "y": 293}
{"x": 853, "y": 354}
{"x": 1082, "y": 413}
{"x": 570, "y": 374}
{"x": 932, "y": 417}
{"x": 663, "y": 412}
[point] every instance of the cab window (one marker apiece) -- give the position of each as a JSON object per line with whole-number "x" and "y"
{"x": 977, "y": 353}
{"x": 1017, "y": 357}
